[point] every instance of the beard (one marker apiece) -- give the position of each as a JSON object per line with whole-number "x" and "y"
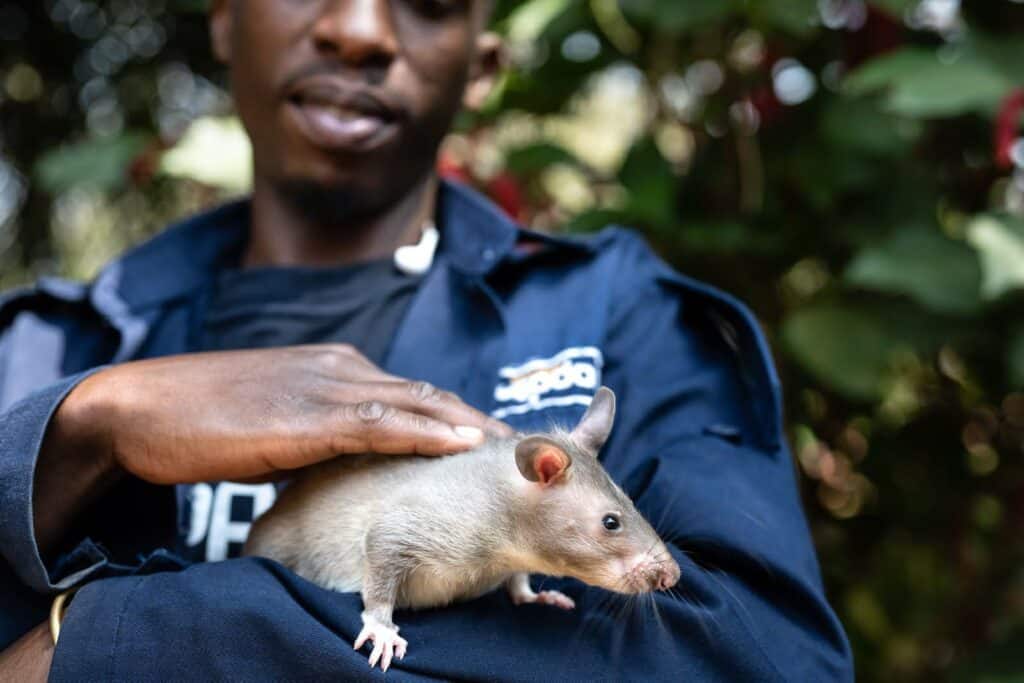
{"x": 330, "y": 205}
{"x": 326, "y": 205}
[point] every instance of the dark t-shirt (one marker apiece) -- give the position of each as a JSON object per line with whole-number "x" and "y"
{"x": 361, "y": 305}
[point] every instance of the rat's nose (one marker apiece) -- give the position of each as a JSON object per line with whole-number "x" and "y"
{"x": 667, "y": 576}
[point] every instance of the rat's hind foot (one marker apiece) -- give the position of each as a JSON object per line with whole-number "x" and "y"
{"x": 386, "y": 642}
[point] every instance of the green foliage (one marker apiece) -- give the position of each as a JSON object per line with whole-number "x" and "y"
{"x": 866, "y": 222}
{"x": 938, "y": 273}
{"x": 98, "y": 164}
{"x": 650, "y": 186}
{"x": 677, "y": 16}
{"x": 845, "y": 348}
{"x": 918, "y": 83}
{"x": 1000, "y": 243}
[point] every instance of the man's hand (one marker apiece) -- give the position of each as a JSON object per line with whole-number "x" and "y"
{"x": 237, "y": 416}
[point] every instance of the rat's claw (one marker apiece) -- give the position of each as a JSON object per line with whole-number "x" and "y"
{"x": 378, "y": 650}
{"x": 389, "y": 653}
{"x": 387, "y": 644}
{"x": 555, "y": 598}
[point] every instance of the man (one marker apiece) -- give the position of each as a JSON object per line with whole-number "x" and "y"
{"x": 116, "y": 429}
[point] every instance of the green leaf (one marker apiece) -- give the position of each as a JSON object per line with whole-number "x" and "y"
{"x": 528, "y": 21}
{"x": 889, "y": 70}
{"x": 677, "y": 16}
{"x": 894, "y": 7}
{"x": 1000, "y": 243}
{"x": 917, "y": 83}
{"x": 942, "y": 275}
{"x": 535, "y": 158}
{"x": 859, "y": 125}
{"x": 1003, "y": 54}
{"x": 728, "y": 237}
{"x": 99, "y": 164}
{"x": 598, "y": 219}
{"x": 651, "y": 184}
{"x": 798, "y": 17}
{"x": 849, "y": 349}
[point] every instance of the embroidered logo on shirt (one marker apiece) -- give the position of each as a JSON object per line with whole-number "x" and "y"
{"x": 566, "y": 379}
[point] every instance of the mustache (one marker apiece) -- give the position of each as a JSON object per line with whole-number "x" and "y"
{"x": 344, "y": 80}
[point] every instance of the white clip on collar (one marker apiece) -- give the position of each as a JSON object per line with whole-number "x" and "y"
{"x": 416, "y": 259}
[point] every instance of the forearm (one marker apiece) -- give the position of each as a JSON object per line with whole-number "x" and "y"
{"x": 28, "y": 659}
{"x": 749, "y": 577}
{"x": 75, "y": 467}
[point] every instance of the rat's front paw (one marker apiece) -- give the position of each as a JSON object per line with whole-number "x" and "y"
{"x": 521, "y": 593}
{"x": 543, "y": 598}
{"x": 555, "y": 598}
{"x": 386, "y": 642}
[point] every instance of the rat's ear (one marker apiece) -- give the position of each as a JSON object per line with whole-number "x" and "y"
{"x": 596, "y": 425}
{"x": 542, "y": 460}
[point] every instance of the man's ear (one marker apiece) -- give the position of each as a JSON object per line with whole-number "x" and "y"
{"x": 487, "y": 64}
{"x": 596, "y": 425}
{"x": 221, "y": 26}
{"x": 542, "y": 461}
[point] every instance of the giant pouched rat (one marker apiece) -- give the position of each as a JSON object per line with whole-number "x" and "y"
{"x": 424, "y": 532}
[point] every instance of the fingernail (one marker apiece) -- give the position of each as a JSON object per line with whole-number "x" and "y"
{"x": 499, "y": 428}
{"x": 470, "y": 433}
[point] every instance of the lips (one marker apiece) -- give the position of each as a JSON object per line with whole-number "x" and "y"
{"x": 335, "y": 116}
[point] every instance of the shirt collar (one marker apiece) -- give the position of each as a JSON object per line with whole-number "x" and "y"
{"x": 476, "y": 237}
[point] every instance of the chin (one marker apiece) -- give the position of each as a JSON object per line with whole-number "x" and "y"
{"x": 336, "y": 200}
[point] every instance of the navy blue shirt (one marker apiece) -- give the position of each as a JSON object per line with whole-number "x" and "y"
{"x": 523, "y": 326}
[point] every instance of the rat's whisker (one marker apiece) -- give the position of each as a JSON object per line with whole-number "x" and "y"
{"x": 728, "y": 590}
{"x": 698, "y": 609}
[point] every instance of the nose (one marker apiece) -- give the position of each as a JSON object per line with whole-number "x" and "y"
{"x": 360, "y": 33}
{"x": 666, "y": 576}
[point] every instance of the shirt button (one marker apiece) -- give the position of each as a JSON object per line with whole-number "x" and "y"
{"x": 488, "y": 254}
{"x": 729, "y": 333}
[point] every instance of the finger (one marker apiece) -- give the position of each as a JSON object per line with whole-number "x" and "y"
{"x": 354, "y": 371}
{"x": 375, "y": 427}
{"x": 426, "y": 399}
{"x": 499, "y": 428}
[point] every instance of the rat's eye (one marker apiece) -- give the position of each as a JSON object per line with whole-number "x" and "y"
{"x": 611, "y": 522}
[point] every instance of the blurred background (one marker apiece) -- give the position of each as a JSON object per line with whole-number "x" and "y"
{"x": 853, "y": 169}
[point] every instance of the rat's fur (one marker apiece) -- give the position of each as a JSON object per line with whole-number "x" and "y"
{"x": 423, "y": 532}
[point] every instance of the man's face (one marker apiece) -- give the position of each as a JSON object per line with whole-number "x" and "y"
{"x": 350, "y": 97}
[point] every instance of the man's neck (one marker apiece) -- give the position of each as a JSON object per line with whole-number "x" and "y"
{"x": 283, "y": 236}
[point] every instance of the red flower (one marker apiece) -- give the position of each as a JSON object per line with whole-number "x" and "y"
{"x": 451, "y": 169}
{"x": 506, "y": 191}
{"x": 1008, "y": 127}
